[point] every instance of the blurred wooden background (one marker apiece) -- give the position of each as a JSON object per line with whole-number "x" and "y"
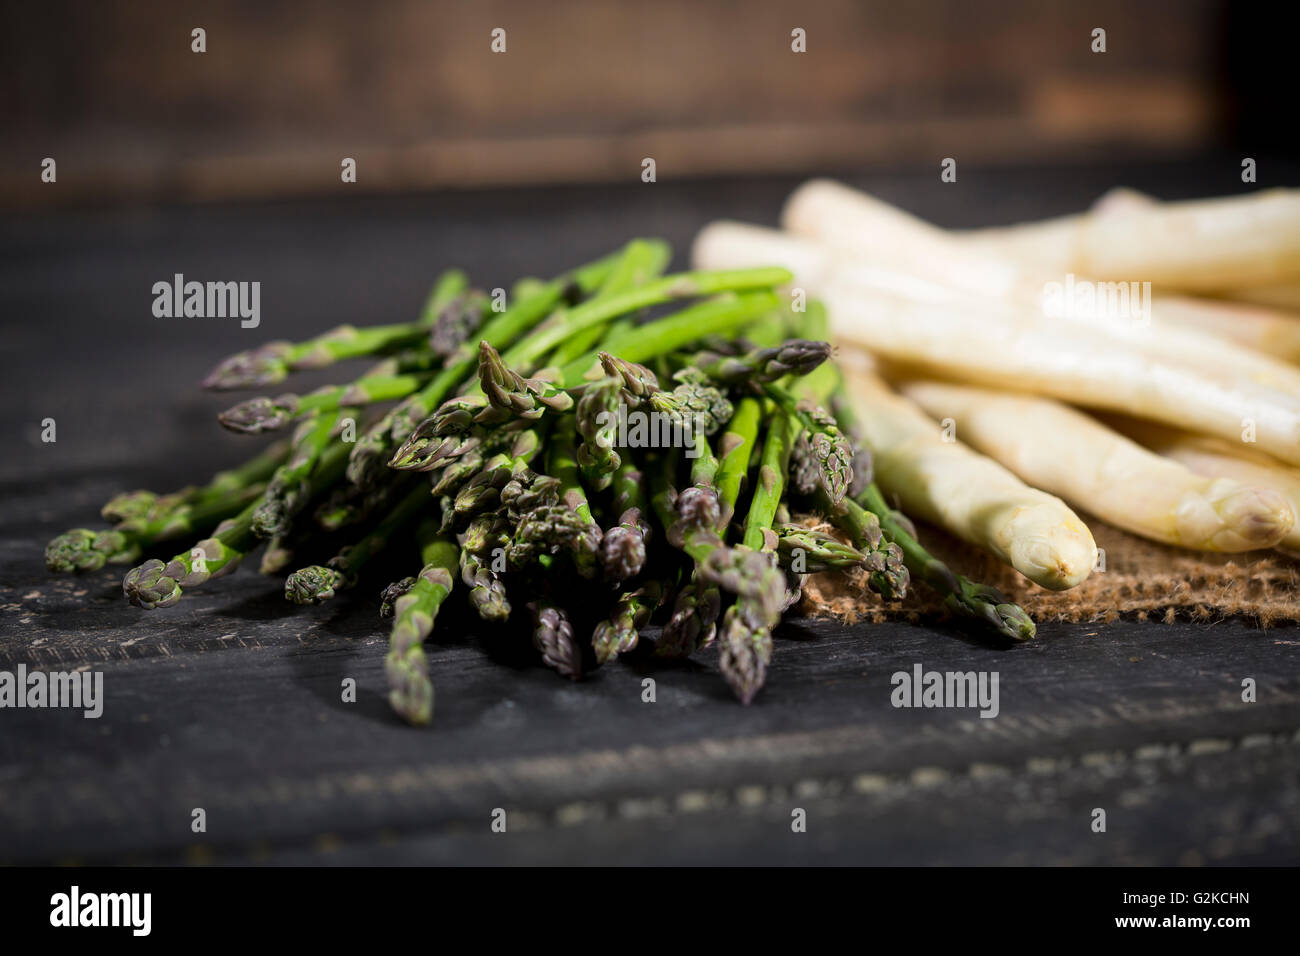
{"x": 585, "y": 90}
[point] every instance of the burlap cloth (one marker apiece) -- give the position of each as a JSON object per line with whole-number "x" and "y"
{"x": 1141, "y": 580}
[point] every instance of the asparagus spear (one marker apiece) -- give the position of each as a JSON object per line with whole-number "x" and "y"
{"x": 597, "y": 311}
{"x": 694, "y": 620}
{"x": 366, "y": 464}
{"x": 583, "y": 548}
{"x": 456, "y": 322}
{"x": 487, "y": 592}
{"x": 510, "y": 396}
{"x": 746, "y": 634}
{"x": 553, "y": 637}
{"x": 813, "y": 551}
{"x": 641, "y": 261}
{"x": 664, "y": 336}
{"x": 619, "y": 633}
{"x": 415, "y": 610}
{"x": 828, "y": 448}
{"x": 888, "y": 575}
{"x": 734, "y": 449}
{"x": 83, "y": 550}
{"x": 623, "y": 549}
{"x": 597, "y": 423}
{"x": 691, "y": 520}
{"x": 157, "y": 584}
{"x": 268, "y": 414}
{"x": 317, "y": 583}
{"x": 760, "y": 365}
{"x": 961, "y": 596}
{"x": 149, "y": 506}
{"x": 271, "y": 364}
{"x": 292, "y": 485}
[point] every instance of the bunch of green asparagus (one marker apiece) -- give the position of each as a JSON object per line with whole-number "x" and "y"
{"x": 648, "y": 437}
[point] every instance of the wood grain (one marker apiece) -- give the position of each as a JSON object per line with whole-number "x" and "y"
{"x": 232, "y": 700}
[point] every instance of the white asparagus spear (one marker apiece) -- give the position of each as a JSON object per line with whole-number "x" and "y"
{"x": 1018, "y": 261}
{"x": 1216, "y": 458}
{"x": 975, "y": 498}
{"x": 1064, "y": 451}
{"x": 1173, "y": 375}
{"x": 879, "y": 234}
{"x": 1048, "y": 246}
{"x": 1169, "y": 331}
{"x": 1082, "y": 364}
{"x": 1207, "y": 245}
{"x": 1274, "y": 332}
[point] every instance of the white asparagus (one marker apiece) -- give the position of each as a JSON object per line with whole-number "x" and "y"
{"x": 973, "y": 497}
{"x": 1268, "y": 331}
{"x": 1169, "y": 374}
{"x": 1174, "y": 328}
{"x": 1216, "y": 458}
{"x": 882, "y": 235}
{"x": 1207, "y": 245}
{"x": 1066, "y": 452}
{"x": 1017, "y": 262}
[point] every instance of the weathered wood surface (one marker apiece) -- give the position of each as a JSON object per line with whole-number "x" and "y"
{"x": 231, "y": 701}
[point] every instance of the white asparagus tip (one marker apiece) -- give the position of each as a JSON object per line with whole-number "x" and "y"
{"x": 1056, "y": 554}
{"x": 1244, "y": 518}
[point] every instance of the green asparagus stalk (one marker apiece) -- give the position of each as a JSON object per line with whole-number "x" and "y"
{"x": 889, "y": 575}
{"x": 691, "y": 521}
{"x": 623, "y": 549}
{"x": 143, "y": 505}
{"x": 415, "y": 610}
{"x": 157, "y": 584}
{"x": 746, "y": 634}
{"x": 760, "y": 365}
{"x": 394, "y": 431}
{"x": 82, "y": 550}
{"x": 314, "y": 463}
{"x": 694, "y": 621}
{"x": 583, "y": 548}
{"x": 268, "y": 414}
{"x": 619, "y": 633}
{"x": 597, "y": 422}
{"x": 770, "y": 487}
{"x": 641, "y": 261}
{"x": 807, "y": 551}
{"x": 734, "y": 450}
{"x": 962, "y": 596}
{"x": 511, "y": 396}
{"x": 317, "y": 583}
{"x": 828, "y": 448}
{"x": 484, "y": 538}
{"x": 597, "y": 311}
{"x": 673, "y": 332}
{"x": 553, "y": 637}
{"x": 271, "y": 364}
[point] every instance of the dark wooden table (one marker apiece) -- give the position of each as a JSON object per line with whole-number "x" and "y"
{"x": 232, "y": 700}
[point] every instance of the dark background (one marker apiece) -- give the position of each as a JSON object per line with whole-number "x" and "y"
{"x": 584, "y": 91}
{"x": 225, "y": 166}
